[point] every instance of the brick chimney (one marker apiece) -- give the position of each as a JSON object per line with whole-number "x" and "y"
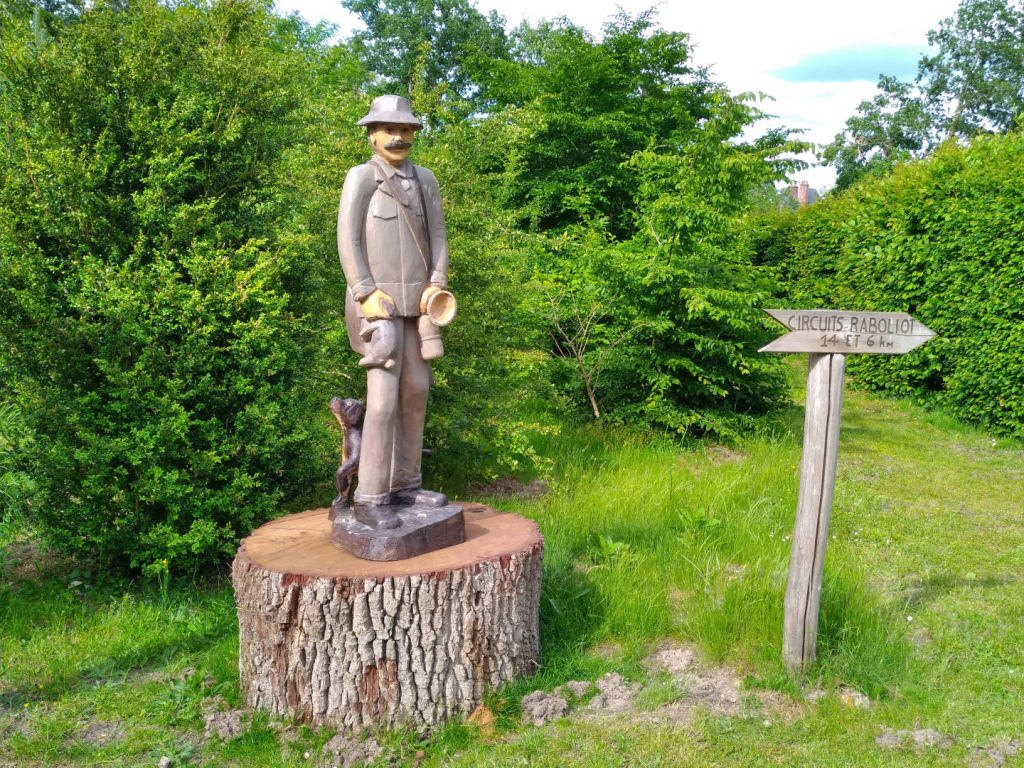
{"x": 794, "y": 191}
{"x": 802, "y": 195}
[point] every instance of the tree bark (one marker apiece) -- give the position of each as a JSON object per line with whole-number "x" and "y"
{"x": 336, "y": 640}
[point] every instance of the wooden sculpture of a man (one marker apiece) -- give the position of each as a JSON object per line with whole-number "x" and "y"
{"x": 394, "y": 251}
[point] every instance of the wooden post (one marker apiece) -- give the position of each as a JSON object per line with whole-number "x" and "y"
{"x": 814, "y": 508}
{"x": 827, "y": 335}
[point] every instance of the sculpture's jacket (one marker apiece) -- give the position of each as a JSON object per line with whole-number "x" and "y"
{"x": 376, "y": 246}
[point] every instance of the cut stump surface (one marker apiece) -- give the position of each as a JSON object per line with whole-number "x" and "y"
{"x": 336, "y": 640}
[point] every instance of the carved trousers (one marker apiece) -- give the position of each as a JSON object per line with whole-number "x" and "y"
{"x": 396, "y": 406}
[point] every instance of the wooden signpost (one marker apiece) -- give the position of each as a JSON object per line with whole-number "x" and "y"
{"x": 827, "y": 336}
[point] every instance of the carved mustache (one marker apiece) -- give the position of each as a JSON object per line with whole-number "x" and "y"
{"x": 398, "y": 144}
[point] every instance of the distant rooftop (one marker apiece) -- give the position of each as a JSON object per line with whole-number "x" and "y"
{"x": 803, "y": 194}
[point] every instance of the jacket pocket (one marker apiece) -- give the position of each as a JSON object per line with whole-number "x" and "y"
{"x": 383, "y": 206}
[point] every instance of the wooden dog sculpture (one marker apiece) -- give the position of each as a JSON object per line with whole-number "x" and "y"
{"x": 349, "y": 414}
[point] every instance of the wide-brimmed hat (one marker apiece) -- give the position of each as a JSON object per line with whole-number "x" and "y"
{"x": 390, "y": 109}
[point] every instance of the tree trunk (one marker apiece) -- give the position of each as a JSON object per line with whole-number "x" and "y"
{"x": 355, "y": 643}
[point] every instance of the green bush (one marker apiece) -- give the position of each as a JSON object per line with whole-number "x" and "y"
{"x": 659, "y": 337}
{"x": 16, "y": 487}
{"x": 663, "y": 329}
{"x": 152, "y": 289}
{"x": 942, "y": 239}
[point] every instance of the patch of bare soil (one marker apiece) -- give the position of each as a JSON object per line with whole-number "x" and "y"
{"x": 142, "y": 675}
{"x": 975, "y": 451}
{"x": 851, "y": 697}
{"x": 617, "y": 694}
{"x": 608, "y": 650}
{"x": 17, "y": 721}
{"x": 574, "y": 689}
{"x": 919, "y": 739}
{"x": 152, "y": 677}
{"x": 673, "y": 659}
{"x": 722, "y": 454}
{"x": 716, "y": 689}
{"x": 98, "y": 733}
{"x": 24, "y": 561}
{"x": 707, "y": 687}
{"x": 779, "y": 706}
{"x": 994, "y": 755}
{"x": 221, "y": 720}
{"x": 539, "y": 708}
{"x": 351, "y": 752}
{"x": 920, "y": 637}
{"x": 510, "y": 487}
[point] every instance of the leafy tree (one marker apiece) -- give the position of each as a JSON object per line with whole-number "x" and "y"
{"x": 975, "y": 82}
{"x": 889, "y": 129}
{"x": 492, "y": 392}
{"x": 48, "y": 17}
{"x": 664, "y": 328}
{"x": 600, "y": 102}
{"x": 170, "y": 297}
{"x": 410, "y": 43}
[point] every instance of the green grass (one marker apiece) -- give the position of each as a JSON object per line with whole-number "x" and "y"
{"x": 923, "y": 610}
{"x": 661, "y": 689}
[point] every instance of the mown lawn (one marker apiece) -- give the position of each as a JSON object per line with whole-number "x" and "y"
{"x": 923, "y": 611}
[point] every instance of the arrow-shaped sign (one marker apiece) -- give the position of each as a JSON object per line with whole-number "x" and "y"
{"x": 825, "y": 331}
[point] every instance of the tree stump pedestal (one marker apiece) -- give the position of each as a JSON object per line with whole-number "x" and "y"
{"x": 353, "y": 643}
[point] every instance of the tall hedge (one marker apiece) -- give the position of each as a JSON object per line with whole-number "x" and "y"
{"x": 152, "y": 291}
{"x": 942, "y": 239}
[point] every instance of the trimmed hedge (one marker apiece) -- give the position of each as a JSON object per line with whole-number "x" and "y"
{"x": 942, "y": 239}
{"x": 151, "y": 287}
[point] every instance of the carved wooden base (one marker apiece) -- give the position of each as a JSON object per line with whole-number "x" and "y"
{"x": 334, "y": 639}
{"x": 422, "y": 529}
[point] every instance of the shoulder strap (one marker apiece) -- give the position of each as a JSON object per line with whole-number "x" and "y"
{"x": 398, "y": 193}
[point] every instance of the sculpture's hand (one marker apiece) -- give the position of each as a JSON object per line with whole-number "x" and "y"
{"x": 429, "y": 291}
{"x": 378, "y": 306}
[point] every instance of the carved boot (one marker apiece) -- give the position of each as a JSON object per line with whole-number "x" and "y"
{"x": 379, "y": 518}
{"x": 420, "y": 496}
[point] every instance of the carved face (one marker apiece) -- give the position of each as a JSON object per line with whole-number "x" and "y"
{"x": 350, "y": 411}
{"x": 392, "y": 141}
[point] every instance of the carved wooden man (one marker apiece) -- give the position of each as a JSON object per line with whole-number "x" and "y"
{"x": 394, "y": 251}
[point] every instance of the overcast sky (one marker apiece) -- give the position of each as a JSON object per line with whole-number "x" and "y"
{"x": 818, "y": 60}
